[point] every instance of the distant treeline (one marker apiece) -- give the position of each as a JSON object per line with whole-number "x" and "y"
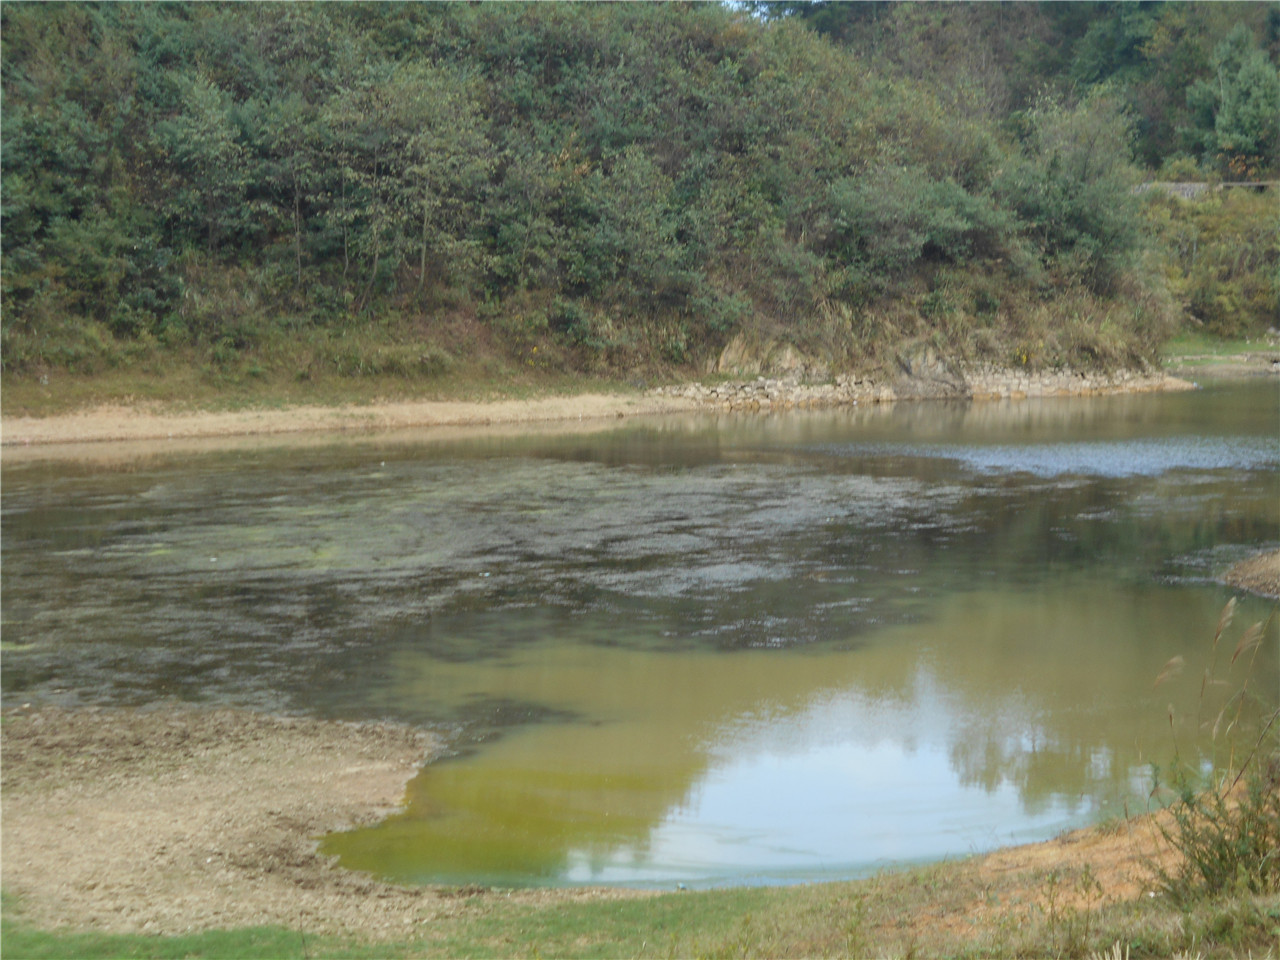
{"x": 1198, "y": 79}
{"x": 622, "y": 185}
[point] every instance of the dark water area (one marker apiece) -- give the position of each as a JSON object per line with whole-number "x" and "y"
{"x": 687, "y": 649}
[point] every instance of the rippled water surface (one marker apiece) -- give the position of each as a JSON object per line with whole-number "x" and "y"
{"x": 694, "y": 649}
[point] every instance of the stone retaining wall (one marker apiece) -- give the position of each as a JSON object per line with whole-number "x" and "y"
{"x": 979, "y": 383}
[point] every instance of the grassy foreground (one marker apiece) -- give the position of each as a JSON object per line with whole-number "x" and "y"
{"x": 926, "y": 911}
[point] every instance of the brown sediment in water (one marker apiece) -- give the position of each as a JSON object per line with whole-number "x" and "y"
{"x": 178, "y": 819}
{"x": 1259, "y": 574}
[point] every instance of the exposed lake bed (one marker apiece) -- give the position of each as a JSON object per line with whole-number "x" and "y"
{"x": 175, "y": 819}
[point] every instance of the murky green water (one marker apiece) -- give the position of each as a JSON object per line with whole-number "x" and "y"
{"x": 696, "y": 650}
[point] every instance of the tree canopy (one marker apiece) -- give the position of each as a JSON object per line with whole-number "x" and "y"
{"x": 632, "y": 183}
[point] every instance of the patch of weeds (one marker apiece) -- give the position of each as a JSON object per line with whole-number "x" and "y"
{"x": 1118, "y": 951}
{"x": 985, "y": 302}
{"x": 1070, "y": 926}
{"x": 1227, "y": 831}
{"x": 744, "y": 942}
{"x": 937, "y": 304}
{"x": 855, "y": 934}
{"x": 1113, "y": 826}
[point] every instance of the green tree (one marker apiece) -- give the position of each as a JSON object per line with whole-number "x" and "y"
{"x": 1072, "y": 187}
{"x": 207, "y": 165}
{"x": 1248, "y": 119}
{"x": 447, "y": 160}
{"x": 1236, "y": 114}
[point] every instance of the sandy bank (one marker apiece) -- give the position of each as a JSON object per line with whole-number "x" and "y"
{"x": 144, "y": 422}
{"x": 148, "y": 423}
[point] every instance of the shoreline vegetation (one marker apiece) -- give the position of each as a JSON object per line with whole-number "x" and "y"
{"x": 241, "y": 201}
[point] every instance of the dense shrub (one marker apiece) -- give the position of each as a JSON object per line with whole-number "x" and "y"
{"x": 1222, "y": 257}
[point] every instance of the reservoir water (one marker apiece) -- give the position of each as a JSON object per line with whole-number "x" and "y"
{"x": 697, "y": 650}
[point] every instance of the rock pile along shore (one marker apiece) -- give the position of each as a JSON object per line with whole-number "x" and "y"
{"x": 978, "y": 383}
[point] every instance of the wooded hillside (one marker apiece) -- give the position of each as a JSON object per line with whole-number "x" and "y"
{"x": 394, "y": 188}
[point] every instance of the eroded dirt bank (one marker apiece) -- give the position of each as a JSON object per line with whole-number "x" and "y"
{"x": 177, "y": 819}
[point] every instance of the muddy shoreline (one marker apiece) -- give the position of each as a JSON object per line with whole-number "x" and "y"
{"x": 178, "y": 819}
{"x": 151, "y": 422}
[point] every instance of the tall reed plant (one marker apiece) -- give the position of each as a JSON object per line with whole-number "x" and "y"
{"x": 1225, "y": 825}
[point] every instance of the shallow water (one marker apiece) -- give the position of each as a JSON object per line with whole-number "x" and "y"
{"x": 686, "y": 649}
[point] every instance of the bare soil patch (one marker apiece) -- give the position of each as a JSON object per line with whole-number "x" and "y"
{"x": 1078, "y": 872}
{"x": 1260, "y": 574}
{"x": 179, "y": 819}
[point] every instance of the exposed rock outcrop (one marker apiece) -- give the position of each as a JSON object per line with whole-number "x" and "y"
{"x": 746, "y": 356}
{"x": 777, "y": 374}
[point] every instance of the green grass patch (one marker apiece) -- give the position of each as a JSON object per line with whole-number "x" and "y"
{"x": 925, "y": 912}
{"x": 1196, "y": 345}
{"x": 19, "y": 940}
{"x": 181, "y": 383}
